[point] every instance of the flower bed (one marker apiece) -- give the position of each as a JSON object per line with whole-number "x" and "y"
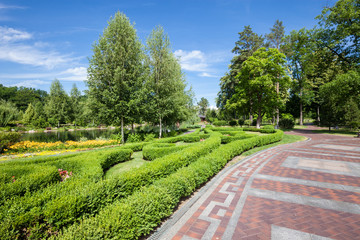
{"x": 30, "y": 146}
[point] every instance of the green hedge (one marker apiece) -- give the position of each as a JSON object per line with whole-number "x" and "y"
{"x": 141, "y": 212}
{"x": 228, "y": 139}
{"x": 220, "y": 123}
{"x": 227, "y": 129}
{"x": 115, "y": 157}
{"x": 261, "y": 130}
{"x": 22, "y": 184}
{"x": 153, "y": 151}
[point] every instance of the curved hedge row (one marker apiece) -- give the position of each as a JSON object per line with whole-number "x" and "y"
{"x": 157, "y": 150}
{"x": 141, "y": 212}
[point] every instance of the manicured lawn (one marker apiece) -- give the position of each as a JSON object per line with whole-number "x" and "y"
{"x": 337, "y": 132}
{"x": 286, "y": 139}
{"x": 136, "y": 161}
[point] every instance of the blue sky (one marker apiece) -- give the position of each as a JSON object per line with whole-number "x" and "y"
{"x": 41, "y": 40}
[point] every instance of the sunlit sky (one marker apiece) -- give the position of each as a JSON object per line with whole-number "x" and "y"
{"x": 41, "y": 40}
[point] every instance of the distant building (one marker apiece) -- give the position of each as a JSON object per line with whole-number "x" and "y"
{"x": 202, "y": 118}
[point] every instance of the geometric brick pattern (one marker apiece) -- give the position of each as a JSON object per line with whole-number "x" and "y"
{"x": 316, "y": 203}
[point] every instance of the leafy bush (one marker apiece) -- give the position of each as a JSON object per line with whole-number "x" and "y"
{"x": 149, "y": 137}
{"x": 247, "y": 122}
{"x": 228, "y": 139}
{"x": 261, "y": 130}
{"x": 220, "y": 123}
{"x": 154, "y": 151}
{"x": 232, "y": 123}
{"x": 269, "y": 127}
{"x": 115, "y": 157}
{"x": 7, "y": 139}
{"x": 286, "y": 123}
{"x": 241, "y": 122}
{"x": 133, "y": 138}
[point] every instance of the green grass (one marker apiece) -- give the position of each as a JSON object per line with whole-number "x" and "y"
{"x": 340, "y": 132}
{"x": 136, "y": 161}
{"x": 286, "y": 139}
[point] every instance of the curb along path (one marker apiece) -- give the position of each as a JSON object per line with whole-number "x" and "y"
{"x": 305, "y": 190}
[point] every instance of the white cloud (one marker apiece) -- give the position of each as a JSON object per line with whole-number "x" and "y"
{"x": 3, "y": 6}
{"x": 13, "y": 49}
{"x": 205, "y": 74}
{"x": 30, "y": 55}
{"x": 192, "y": 60}
{"x": 12, "y": 35}
{"x": 74, "y": 74}
{"x": 30, "y": 83}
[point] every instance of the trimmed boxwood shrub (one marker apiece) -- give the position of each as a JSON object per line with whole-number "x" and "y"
{"x": 286, "y": 123}
{"x": 233, "y": 123}
{"x": 137, "y": 215}
{"x": 115, "y": 157}
{"x": 220, "y": 123}
{"x": 227, "y": 139}
{"x": 153, "y": 151}
{"x": 241, "y": 122}
{"x": 261, "y": 130}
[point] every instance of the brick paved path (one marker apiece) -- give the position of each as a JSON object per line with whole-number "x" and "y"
{"x": 306, "y": 190}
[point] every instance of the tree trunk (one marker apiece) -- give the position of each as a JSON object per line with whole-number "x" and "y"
{"x": 277, "y": 107}
{"x": 251, "y": 118}
{"x": 301, "y": 109}
{"x": 301, "y": 114}
{"x": 132, "y": 127}
{"x": 122, "y": 130}
{"x": 318, "y": 114}
{"x": 58, "y": 124}
{"x": 160, "y": 128}
{"x": 258, "y": 120}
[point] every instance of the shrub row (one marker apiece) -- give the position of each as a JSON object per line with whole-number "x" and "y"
{"x": 43, "y": 176}
{"x": 115, "y": 157}
{"x": 228, "y": 139}
{"x": 261, "y": 130}
{"x": 153, "y": 151}
{"x": 137, "y": 215}
{"x": 226, "y": 128}
{"x": 220, "y": 123}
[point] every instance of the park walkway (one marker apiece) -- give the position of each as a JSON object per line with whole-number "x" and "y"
{"x": 304, "y": 190}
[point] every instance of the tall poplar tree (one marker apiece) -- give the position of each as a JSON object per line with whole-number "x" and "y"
{"x": 115, "y": 72}
{"x": 167, "y": 98}
{"x": 276, "y": 40}
{"x": 58, "y": 106}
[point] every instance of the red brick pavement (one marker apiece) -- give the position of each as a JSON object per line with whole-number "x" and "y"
{"x": 231, "y": 212}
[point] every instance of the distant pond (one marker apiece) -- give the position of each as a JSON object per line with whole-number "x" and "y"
{"x": 68, "y": 135}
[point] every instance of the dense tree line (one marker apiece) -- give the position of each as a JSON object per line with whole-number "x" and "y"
{"x": 127, "y": 83}
{"x": 322, "y": 63}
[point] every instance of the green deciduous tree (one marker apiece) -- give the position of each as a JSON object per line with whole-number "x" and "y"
{"x": 115, "y": 72}
{"x": 75, "y": 97}
{"x": 340, "y": 32}
{"x": 29, "y": 115}
{"x": 8, "y": 112}
{"x": 341, "y": 100}
{"x": 58, "y": 105}
{"x": 276, "y": 40}
{"x": 166, "y": 95}
{"x": 299, "y": 49}
{"x": 203, "y": 105}
{"x": 257, "y": 80}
